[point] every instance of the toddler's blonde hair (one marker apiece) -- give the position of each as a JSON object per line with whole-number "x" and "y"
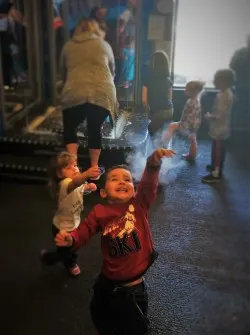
{"x": 196, "y": 86}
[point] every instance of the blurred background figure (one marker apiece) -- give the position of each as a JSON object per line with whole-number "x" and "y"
{"x": 14, "y": 63}
{"x": 120, "y": 21}
{"x": 240, "y": 64}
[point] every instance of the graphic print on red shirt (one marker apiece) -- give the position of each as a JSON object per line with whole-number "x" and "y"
{"x": 124, "y": 225}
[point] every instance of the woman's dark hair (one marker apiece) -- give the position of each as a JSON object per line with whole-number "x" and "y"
{"x": 159, "y": 64}
{"x": 93, "y": 15}
{"x": 93, "y": 12}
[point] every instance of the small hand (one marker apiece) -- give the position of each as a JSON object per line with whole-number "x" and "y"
{"x": 93, "y": 172}
{"x": 63, "y": 239}
{"x": 159, "y": 154}
{"x": 90, "y": 187}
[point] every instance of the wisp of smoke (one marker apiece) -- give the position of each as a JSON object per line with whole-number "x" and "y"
{"x": 170, "y": 168}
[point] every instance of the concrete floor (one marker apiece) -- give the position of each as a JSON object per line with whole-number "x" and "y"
{"x": 199, "y": 285}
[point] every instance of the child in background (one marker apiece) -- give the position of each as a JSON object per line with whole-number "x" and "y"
{"x": 69, "y": 186}
{"x": 120, "y": 301}
{"x": 191, "y": 118}
{"x": 157, "y": 92}
{"x": 219, "y": 120}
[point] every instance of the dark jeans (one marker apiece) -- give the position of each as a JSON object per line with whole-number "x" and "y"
{"x": 74, "y": 116}
{"x": 119, "y": 310}
{"x": 66, "y": 255}
{"x": 218, "y": 154}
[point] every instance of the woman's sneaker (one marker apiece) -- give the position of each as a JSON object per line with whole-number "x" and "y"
{"x": 74, "y": 271}
{"x": 102, "y": 171}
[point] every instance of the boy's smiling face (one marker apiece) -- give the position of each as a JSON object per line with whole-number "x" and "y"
{"x": 119, "y": 186}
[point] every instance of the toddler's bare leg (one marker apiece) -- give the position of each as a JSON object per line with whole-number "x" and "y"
{"x": 172, "y": 128}
{"x": 193, "y": 146}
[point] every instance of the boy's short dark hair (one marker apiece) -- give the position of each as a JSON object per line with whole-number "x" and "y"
{"x": 105, "y": 175}
{"x": 227, "y": 75}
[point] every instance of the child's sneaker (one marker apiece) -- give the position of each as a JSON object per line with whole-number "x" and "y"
{"x": 75, "y": 271}
{"x": 102, "y": 171}
{"x": 210, "y": 179}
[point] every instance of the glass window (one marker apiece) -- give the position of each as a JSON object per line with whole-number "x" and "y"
{"x": 207, "y": 35}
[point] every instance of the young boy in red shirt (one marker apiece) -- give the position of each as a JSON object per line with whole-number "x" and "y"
{"x": 120, "y": 302}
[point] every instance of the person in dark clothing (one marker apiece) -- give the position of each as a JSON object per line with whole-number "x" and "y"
{"x": 6, "y": 39}
{"x": 120, "y": 302}
{"x": 240, "y": 64}
{"x": 10, "y": 19}
{"x": 157, "y": 94}
{"x": 98, "y": 13}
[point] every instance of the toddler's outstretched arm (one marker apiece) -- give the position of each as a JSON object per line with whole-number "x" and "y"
{"x": 80, "y": 179}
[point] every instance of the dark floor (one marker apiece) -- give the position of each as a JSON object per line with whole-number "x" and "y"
{"x": 199, "y": 285}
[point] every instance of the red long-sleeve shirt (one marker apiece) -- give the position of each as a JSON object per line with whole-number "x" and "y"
{"x": 127, "y": 257}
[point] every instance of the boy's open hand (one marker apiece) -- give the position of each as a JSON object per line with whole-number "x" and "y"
{"x": 63, "y": 239}
{"x": 158, "y": 154}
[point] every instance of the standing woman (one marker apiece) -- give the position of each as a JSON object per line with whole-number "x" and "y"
{"x": 157, "y": 93}
{"x": 87, "y": 70}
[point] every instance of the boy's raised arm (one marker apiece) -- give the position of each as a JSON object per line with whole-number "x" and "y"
{"x": 147, "y": 189}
